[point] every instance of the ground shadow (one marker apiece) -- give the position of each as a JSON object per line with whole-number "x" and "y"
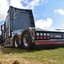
{"x": 9, "y": 50}
{"x": 36, "y": 48}
{"x": 47, "y": 47}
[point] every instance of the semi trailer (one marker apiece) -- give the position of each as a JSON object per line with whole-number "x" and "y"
{"x": 20, "y": 31}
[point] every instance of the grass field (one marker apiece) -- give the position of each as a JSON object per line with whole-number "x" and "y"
{"x": 20, "y": 56}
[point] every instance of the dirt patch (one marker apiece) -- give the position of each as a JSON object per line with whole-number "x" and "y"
{"x": 20, "y": 61}
{"x": 14, "y": 60}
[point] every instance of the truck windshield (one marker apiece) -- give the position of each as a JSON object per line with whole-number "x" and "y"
{"x": 22, "y": 20}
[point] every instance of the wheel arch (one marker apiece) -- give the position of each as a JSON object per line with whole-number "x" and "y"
{"x": 32, "y": 34}
{"x": 30, "y": 31}
{"x": 15, "y": 36}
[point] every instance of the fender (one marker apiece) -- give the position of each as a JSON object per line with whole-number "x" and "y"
{"x": 31, "y": 31}
{"x": 16, "y": 33}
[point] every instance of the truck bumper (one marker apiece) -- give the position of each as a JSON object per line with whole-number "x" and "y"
{"x": 39, "y": 43}
{"x": 49, "y": 42}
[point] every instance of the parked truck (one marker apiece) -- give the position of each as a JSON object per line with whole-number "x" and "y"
{"x": 20, "y": 31}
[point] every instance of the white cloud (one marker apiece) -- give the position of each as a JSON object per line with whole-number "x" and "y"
{"x": 33, "y": 4}
{"x": 59, "y": 11}
{"x": 29, "y": 4}
{"x": 16, "y": 3}
{"x": 4, "y": 4}
{"x": 3, "y": 9}
{"x": 44, "y": 23}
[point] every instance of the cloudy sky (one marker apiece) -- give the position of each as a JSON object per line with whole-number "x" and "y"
{"x": 48, "y": 14}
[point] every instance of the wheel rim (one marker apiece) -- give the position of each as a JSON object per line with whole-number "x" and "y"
{"x": 15, "y": 44}
{"x": 26, "y": 40}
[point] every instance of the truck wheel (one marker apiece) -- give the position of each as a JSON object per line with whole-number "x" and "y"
{"x": 26, "y": 40}
{"x": 16, "y": 42}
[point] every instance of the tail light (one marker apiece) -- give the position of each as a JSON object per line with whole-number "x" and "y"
{"x": 37, "y": 36}
{"x": 45, "y": 36}
{"x": 42, "y": 36}
{"x": 48, "y": 36}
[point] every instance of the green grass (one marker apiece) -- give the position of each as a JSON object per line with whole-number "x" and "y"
{"x": 50, "y": 56}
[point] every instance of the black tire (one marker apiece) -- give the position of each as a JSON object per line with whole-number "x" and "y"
{"x": 16, "y": 42}
{"x": 27, "y": 40}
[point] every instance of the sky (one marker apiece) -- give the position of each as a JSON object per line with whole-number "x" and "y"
{"x": 48, "y": 14}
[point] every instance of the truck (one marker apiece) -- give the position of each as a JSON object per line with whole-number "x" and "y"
{"x": 20, "y": 31}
